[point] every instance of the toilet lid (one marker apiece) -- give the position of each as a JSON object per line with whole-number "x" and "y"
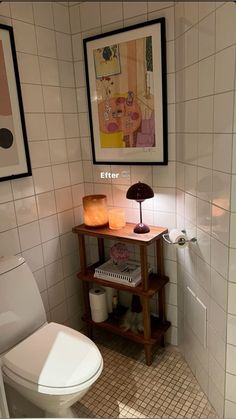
{"x": 55, "y": 356}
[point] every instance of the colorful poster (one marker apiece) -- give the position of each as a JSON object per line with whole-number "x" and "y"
{"x": 127, "y": 92}
{"x": 126, "y": 101}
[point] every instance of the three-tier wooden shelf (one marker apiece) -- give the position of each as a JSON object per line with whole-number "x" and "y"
{"x": 154, "y": 328}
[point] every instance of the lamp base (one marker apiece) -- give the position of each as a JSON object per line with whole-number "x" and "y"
{"x": 141, "y": 228}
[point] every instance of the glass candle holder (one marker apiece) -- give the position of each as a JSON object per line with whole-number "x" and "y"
{"x": 116, "y": 218}
{"x": 95, "y": 210}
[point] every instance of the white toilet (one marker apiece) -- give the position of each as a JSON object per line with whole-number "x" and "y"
{"x": 50, "y": 365}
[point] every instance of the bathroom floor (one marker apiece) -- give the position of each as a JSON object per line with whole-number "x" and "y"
{"x": 128, "y": 388}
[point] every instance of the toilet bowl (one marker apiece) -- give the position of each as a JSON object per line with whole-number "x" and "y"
{"x": 52, "y": 366}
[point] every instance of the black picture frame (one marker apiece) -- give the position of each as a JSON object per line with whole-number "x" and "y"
{"x": 14, "y": 151}
{"x": 116, "y": 138}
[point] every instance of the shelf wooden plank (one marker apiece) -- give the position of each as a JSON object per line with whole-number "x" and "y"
{"x": 156, "y": 283}
{"x": 125, "y": 234}
{"x": 158, "y": 330}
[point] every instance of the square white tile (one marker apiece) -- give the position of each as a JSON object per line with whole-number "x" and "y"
{"x": 25, "y": 37}
{"x": 111, "y": 12}
{"x": 49, "y": 71}
{"x": 61, "y": 175}
{"x": 63, "y": 199}
{"x": 39, "y": 154}
{"x": 49, "y": 228}
{"x": 51, "y": 250}
{"x": 61, "y": 18}
{"x": 66, "y": 221}
{"x": 36, "y": 126}
{"x": 7, "y": 216}
{"x": 71, "y": 125}
{"x": 32, "y": 98}
{"x": 9, "y": 242}
{"x": 64, "y": 46}
{"x": 90, "y": 15}
{"x": 43, "y": 181}
{"x": 55, "y": 126}
{"x": 58, "y": 151}
{"x": 46, "y": 204}
{"x": 34, "y": 257}
{"x": 43, "y": 15}
{"x": 29, "y": 235}
{"x": 26, "y": 210}
{"x": 5, "y": 192}
{"x": 46, "y": 42}
{"x": 52, "y": 99}
{"x": 28, "y": 65}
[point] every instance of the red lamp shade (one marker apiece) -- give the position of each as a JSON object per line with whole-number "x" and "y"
{"x": 139, "y": 192}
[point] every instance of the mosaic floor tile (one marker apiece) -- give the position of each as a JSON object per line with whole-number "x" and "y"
{"x": 128, "y": 388}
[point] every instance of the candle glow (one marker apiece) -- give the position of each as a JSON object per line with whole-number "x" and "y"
{"x": 116, "y": 218}
{"x": 95, "y": 210}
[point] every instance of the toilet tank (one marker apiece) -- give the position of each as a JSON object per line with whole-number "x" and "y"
{"x": 21, "y": 307}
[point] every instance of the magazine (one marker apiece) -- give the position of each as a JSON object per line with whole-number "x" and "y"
{"x": 132, "y": 283}
{"x": 129, "y": 271}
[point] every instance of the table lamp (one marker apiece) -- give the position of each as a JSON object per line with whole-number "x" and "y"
{"x": 139, "y": 192}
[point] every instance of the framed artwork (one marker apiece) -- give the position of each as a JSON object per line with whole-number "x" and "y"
{"x": 14, "y": 153}
{"x": 127, "y": 94}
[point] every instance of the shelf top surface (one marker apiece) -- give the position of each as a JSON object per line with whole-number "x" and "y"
{"x": 126, "y": 233}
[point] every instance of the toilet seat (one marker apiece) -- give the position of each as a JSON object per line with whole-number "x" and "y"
{"x": 65, "y": 361}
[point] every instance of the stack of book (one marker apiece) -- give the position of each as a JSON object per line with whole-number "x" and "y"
{"x": 128, "y": 273}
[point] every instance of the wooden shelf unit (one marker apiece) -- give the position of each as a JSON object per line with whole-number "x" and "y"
{"x": 154, "y": 328}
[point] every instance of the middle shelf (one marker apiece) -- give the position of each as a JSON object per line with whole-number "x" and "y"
{"x": 156, "y": 283}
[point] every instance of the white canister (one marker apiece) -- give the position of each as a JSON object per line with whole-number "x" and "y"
{"x": 98, "y": 304}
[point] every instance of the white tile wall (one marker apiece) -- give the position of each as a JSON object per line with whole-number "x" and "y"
{"x": 36, "y": 214}
{"x": 214, "y": 84}
{"x": 204, "y": 96}
{"x": 29, "y": 207}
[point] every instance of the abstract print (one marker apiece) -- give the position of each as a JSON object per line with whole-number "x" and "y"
{"x": 8, "y": 147}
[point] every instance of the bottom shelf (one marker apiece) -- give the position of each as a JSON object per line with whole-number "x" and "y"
{"x": 114, "y": 325}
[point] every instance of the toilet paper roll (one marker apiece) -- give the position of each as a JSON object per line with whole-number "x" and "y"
{"x": 110, "y": 292}
{"x": 178, "y": 237}
{"x": 98, "y": 304}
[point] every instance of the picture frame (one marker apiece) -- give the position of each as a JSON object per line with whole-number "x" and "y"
{"x": 14, "y": 152}
{"x": 127, "y": 94}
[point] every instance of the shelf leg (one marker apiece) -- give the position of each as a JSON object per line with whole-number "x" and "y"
{"x": 160, "y": 268}
{"x": 87, "y": 308}
{"x": 101, "y": 250}
{"x": 85, "y": 285}
{"x": 148, "y": 354}
{"x": 161, "y": 304}
{"x": 160, "y": 257}
{"x": 144, "y": 267}
{"x": 147, "y": 329}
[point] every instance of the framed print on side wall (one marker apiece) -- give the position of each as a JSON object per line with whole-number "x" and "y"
{"x": 127, "y": 94}
{"x": 14, "y": 153}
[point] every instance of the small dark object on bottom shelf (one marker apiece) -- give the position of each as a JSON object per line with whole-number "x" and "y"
{"x": 118, "y": 312}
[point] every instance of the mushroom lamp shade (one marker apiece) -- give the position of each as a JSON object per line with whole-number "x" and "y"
{"x": 139, "y": 192}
